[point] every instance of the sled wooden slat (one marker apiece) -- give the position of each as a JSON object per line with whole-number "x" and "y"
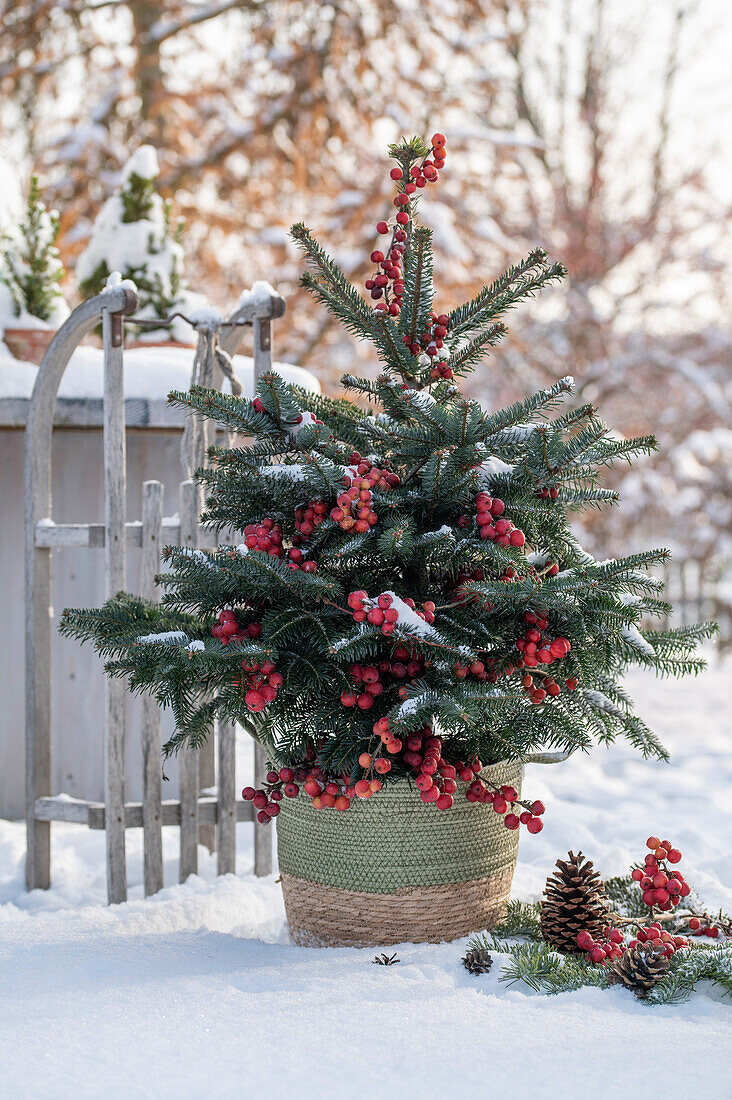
{"x": 262, "y": 833}
{"x": 115, "y": 488}
{"x": 39, "y": 429}
{"x": 188, "y": 758}
{"x": 226, "y": 819}
{"x": 152, "y": 820}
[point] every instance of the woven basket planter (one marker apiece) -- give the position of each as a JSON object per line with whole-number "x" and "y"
{"x": 393, "y": 869}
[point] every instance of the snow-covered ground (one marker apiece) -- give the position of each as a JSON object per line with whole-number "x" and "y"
{"x": 199, "y": 993}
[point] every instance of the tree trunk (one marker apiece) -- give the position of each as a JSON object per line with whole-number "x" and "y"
{"x": 148, "y": 70}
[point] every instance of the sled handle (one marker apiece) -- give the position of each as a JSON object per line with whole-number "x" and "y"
{"x": 547, "y": 757}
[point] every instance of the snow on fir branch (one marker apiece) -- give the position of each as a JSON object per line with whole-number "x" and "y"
{"x": 167, "y": 637}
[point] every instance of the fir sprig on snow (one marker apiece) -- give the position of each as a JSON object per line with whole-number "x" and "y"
{"x": 533, "y": 963}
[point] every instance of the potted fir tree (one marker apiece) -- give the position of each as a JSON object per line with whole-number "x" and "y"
{"x": 409, "y": 616}
{"x": 134, "y": 234}
{"x": 30, "y": 273}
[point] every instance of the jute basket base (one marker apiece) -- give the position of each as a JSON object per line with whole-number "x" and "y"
{"x": 328, "y": 916}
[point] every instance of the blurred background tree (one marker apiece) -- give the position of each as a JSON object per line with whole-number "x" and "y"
{"x": 591, "y": 127}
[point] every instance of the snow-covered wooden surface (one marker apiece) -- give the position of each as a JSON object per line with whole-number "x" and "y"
{"x": 150, "y": 374}
{"x": 202, "y": 984}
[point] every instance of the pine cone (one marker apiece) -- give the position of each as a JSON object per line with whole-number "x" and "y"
{"x": 574, "y": 900}
{"x": 638, "y": 968}
{"x": 477, "y": 961}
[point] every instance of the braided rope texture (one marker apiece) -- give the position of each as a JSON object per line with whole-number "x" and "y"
{"x": 395, "y": 869}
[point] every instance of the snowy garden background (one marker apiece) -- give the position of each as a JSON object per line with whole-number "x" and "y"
{"x": 175, "y": 143}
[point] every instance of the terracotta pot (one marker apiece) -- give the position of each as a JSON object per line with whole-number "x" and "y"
{"x": 393, "y": 869}
{"x": 29, "y": 344}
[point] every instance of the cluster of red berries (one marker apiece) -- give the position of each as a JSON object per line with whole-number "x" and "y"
{"x": 536, "y": 647}
{"x": 430, "y": 342}
{"x": 369, "y": 678}
{"x": 548, "y": 493}
{"x": 386, "y": 286}
{"x": 354, "y": 507}
{"x": 614, "y": 944}
{"x": 437, "y": 777}
{"x": 297, "y": 561}
{"x": 324, "y": 791}
{"x": 308, "y": 518}
{"x": 659, "y": 937}
{"x": 265, "y": 536}
{"x": 611, "y": 947}
{"x": 548, "y": 687}
{"x": 267, "y": 798}
{"x": 489, "y": 670}
{"x": 499, "y": 530}
{"x": 475, "y": 668}
{"x": 227, "y": 629}
{"x": 262, "y": 684}
{"x": 504, "y": 799}
{"x": 262, "y": 681}
{"x": 441, "y": 370}
{"x": 421, "y": 752}
{"x": 703, "y": 926}
{"x": 457, "y": 585}
{"x": 387, "y": 610}
{"x": 662, "y": 887}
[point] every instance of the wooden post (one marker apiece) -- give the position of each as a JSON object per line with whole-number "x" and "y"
{"x": 114, "y": 570}
{"x": 262, "y": 833}
{"x": 207, "y": 779}
{"x": 190, "y": 511}
{"x": 226, "y": 820}
{"x": 252, "y": 314}
{"x": 152, "y": 531}
{"x": 262, "y": 347}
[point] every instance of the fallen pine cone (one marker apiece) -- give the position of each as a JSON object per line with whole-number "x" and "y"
{"x": 477, "y": 961}
{"x": 638, "y": 969}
